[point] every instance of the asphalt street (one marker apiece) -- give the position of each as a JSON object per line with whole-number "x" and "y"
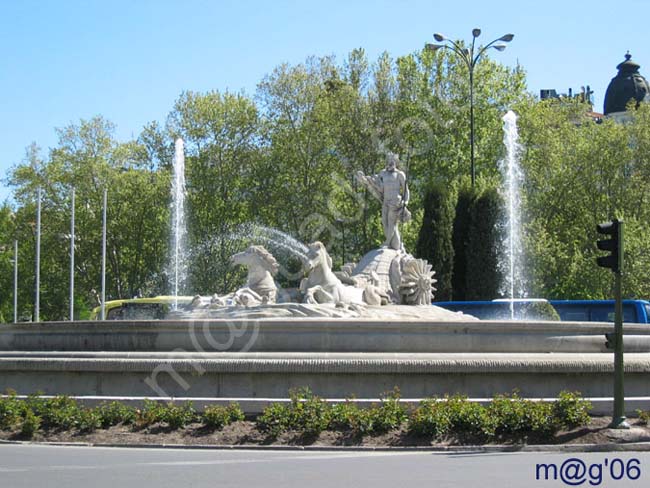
{"x": 84, "y": 467}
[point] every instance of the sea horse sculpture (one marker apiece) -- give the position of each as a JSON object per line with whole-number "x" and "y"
{"x": 323, "y": 286}
{"x": 260, "y": 285}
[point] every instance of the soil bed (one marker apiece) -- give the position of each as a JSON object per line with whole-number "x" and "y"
{"x": 245, "y": 433}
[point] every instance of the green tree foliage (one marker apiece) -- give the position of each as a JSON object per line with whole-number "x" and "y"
{"x": 460, "y": 241}
{"x": 435, "y": 237}
{"x": 483, "y": 278}
{"x": 6, "y": 263}
{"x": 579, "y": 174}
{"x": 222, "y": 137}
{"x": 285, "y": 159}
{"x": 89, "y": 159}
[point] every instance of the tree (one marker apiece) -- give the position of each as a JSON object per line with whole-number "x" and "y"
{"x": 482, "y": 276}
{"x": 435, "y": 237}
{"x": 89, "y": 159}
{"x": 578, "y": 174}
{"x": 460, "y": 241}
{"x": 285, "y": 159}
{"x": 7, "y": 235}
{"x": 222, "y": 137}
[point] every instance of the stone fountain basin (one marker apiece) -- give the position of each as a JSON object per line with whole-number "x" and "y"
{"x": 320, "y": 335}
{"x": 259, "y": 361}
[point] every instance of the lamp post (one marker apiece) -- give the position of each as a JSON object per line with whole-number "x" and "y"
{"x": 470, "y": 56}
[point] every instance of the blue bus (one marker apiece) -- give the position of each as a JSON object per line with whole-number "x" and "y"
{"x": 634, "y": 311}
{"x": 505, "y": 309}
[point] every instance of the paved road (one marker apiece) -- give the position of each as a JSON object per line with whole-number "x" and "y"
{"x": 79, "y": 467}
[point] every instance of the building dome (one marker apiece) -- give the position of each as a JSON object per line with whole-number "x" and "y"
{"x": 627, "y": 84}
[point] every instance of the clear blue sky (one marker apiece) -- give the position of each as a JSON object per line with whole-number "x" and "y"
{"x": 64, "y": 60}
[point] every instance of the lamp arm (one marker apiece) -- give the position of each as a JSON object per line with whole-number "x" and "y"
{"x": 482, "y": 50}
{"x": 454, "y": 46}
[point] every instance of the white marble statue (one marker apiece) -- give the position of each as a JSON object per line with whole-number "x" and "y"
{"x": 260, "y": 285}
{"x": 391, "y": 189}
{"x": 323, "y": 286}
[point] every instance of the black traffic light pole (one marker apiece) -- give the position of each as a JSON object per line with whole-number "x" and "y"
{"x": 614, "y": 261}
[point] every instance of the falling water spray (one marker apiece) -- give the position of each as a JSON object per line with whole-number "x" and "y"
{"x": 512, "y": 263}
{"x": 178, "y": 261}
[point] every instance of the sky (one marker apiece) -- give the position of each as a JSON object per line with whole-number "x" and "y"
{"x": 63, "y": 60}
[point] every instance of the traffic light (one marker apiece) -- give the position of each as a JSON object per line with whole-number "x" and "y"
{"x": 614, "y": 340}
{"x": 614, "y": 244}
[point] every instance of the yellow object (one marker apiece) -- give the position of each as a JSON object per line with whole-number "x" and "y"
{"x": 140, "y": 308}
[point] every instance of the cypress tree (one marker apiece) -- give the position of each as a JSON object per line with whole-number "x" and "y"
{"x": 460, "y": 236}
{"x": 435, "y": 238}
{"x": 482, "y": 275}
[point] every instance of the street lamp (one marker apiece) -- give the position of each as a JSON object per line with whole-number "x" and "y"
{"x": 470, "y": 57}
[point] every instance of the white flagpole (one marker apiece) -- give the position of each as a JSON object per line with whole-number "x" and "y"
{"x": 72, "y": 203}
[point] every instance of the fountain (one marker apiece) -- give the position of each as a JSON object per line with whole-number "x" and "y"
{"x": 274, "y": 238}
{"x": 388, "y": 276}
{"x": 360, "y": 331}
{"x": 512, "y": 263}
{"x": 177, "y": 258}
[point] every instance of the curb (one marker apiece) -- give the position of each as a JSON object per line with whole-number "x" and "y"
{"x": 558, "y": 448}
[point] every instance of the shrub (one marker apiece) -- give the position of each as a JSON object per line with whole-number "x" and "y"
{"x": 390, "y": 415}
{"x": 506, "y": 415}
{"x": 540, "y": 418}
{"x": 306, "y": 413}
{"x": 65, "y": 413}
{"x": 152, "y": 412}
{"x": 88, "y": 420}
{"x": 31, "y": 423}
{"x": 274, "y": 419}
{"x": 11, "y": 411}
{"x": 511, "y": 415}
{"x": 60, "y": 412}
{"x": 455, "y": 414}
{"x": 216, "y": 417}
{"x": 114, "y": 413}
{"x": 430, "y": 419}
{"x": 348, "y": 416}
{"x": 374, "y": 420}
{"x": 571, "y": 410}
{"x": 175, "y": 416}
{"x": 644, "y": 416}
{"x": 465, "y": 417}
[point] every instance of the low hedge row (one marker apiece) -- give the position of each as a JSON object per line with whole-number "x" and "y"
{"x": 64, "y": 413}
{"x": 505, "y": 416}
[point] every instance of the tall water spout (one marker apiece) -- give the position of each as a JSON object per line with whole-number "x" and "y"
{"x": 178, "y": 259}
{"x": 512, "y": 264}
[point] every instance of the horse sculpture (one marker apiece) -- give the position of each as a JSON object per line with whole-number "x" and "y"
{"x": 260, "y": 285}
{"x": 323, "y": 286}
